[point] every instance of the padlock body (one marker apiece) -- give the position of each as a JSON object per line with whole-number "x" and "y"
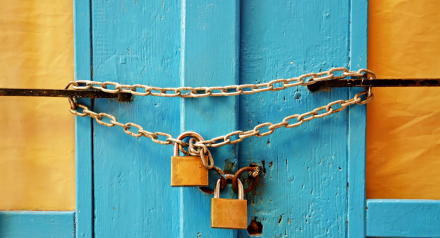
{"x": 228, "y": 213}
{"x": 188, "y": 171}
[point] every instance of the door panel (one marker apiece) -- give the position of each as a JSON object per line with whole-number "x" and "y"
{"x": 303, "y": 190}
{"x": 136, "y": 42}
{"x": 209, "y": 47}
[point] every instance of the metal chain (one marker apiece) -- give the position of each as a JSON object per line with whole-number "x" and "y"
{"x": 226, "y": 139}
{"x": 232, "y": 90}
{"x": 254, "y": 174}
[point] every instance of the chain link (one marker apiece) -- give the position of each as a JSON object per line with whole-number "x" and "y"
{"x": 201, "y": 146}
{"x": 226, "y": 139}
{"x": 232, "y": 90}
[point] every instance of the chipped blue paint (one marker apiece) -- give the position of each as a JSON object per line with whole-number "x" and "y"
{"x": 403, "y": 218}
{"x": 303, "y": 191}
{"x": 36, "y": 224}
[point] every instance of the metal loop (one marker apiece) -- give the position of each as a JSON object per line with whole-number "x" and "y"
{"x": 84, "y": 107}
{"x": 294, "y": 124}
{"x": 105, "y": 123}
{"x": 166, "y": 142}
{"x": 265, "y": 133}
{"x": 240, "y": 187}
{"x": 105, "y": 89}
{"x": 311, "y": 114}
{"x": 77, "y": 87}
{"x": 227, "y": 137}
{"x": 222, "y": 184}
{"x": 129, "y": 125}
{"x": 312, "y": 76}
{"x": 271, "y": 83}
{"x": 254, "y": 181}
{"x": 340, "y": 69}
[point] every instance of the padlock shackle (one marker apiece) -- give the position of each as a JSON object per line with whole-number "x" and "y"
{"x": 229, "y": 176}
{"x": 183, "y": 136}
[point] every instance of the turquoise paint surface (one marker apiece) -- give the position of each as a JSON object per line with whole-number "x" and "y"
{"x": 209, "y": 57}
{"x": 83, "y": 128}
{"x": 136, "y": 42}
{"x": 37, "y": 224}
{"x": 357, "y": 123}
{"x": 403, "y": 218}
{"x": 303, "y": 191}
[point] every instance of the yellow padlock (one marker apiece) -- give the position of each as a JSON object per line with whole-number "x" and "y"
{"x": 188, "y": 171}
{"x": 229, "y": 213}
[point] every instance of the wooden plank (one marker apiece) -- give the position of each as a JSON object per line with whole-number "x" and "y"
{"x": 303, "y": 190}
{"x": 24, "y": 224}
{"x": 403, "y": 218}
{"x": 83, "y": 126}
{"x": 136, "y": 42}
{"x": 209, "y": 57}
{"x": 357, "y": 123}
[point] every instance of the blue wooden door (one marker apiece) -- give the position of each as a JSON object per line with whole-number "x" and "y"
{"x": 313, "y": 184}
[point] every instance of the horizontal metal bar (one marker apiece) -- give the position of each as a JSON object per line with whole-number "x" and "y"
{"x": 25, "y": 92}
{"x": 55, "y": 93}
{"x": 425, "y": 82}
{"x": 382, "y": 83}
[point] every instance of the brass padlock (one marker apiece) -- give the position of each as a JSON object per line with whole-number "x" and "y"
{"x": 229, "y": 213}
{"x": 188, "y": 171}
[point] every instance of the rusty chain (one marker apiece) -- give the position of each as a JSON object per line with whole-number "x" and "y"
{"x": 226, "y": 139}
{"x": 255, "y": 175}
{"x": 194, "y": 92}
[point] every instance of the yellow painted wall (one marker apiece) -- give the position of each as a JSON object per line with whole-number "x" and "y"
{"x": 37, "y": 163}
{"x": 403, "y": 124}
{"x": 37, "y": 134}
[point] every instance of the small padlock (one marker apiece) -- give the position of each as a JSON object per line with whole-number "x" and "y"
{"x": 229, "y": 213}
{"x": 188, "y": 171}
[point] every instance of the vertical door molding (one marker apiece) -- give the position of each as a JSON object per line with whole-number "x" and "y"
{"x": 209, "y": 57}
{"x": 357, "y": 123}
{"x": 83, "y": 125}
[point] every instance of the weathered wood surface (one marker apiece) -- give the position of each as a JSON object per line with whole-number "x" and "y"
{"x": 37, "y": 224}
{"x": 403, "y": 218}
{"x": 209, "y": 57}
{"x": 136, "y": 42}
{"x": 303, "y": 190}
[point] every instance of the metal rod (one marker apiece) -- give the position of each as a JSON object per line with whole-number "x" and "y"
{"x": 55, "y": 93}
{"x": 425, "y": 82}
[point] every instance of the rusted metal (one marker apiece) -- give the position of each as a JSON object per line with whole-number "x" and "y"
{"x": 31, "y": 92}
{"x": 254, "y": 181}
{"x": 24, "y": 92}
{"x": 363, "y": 82}
{"x": 222, "y": 183}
